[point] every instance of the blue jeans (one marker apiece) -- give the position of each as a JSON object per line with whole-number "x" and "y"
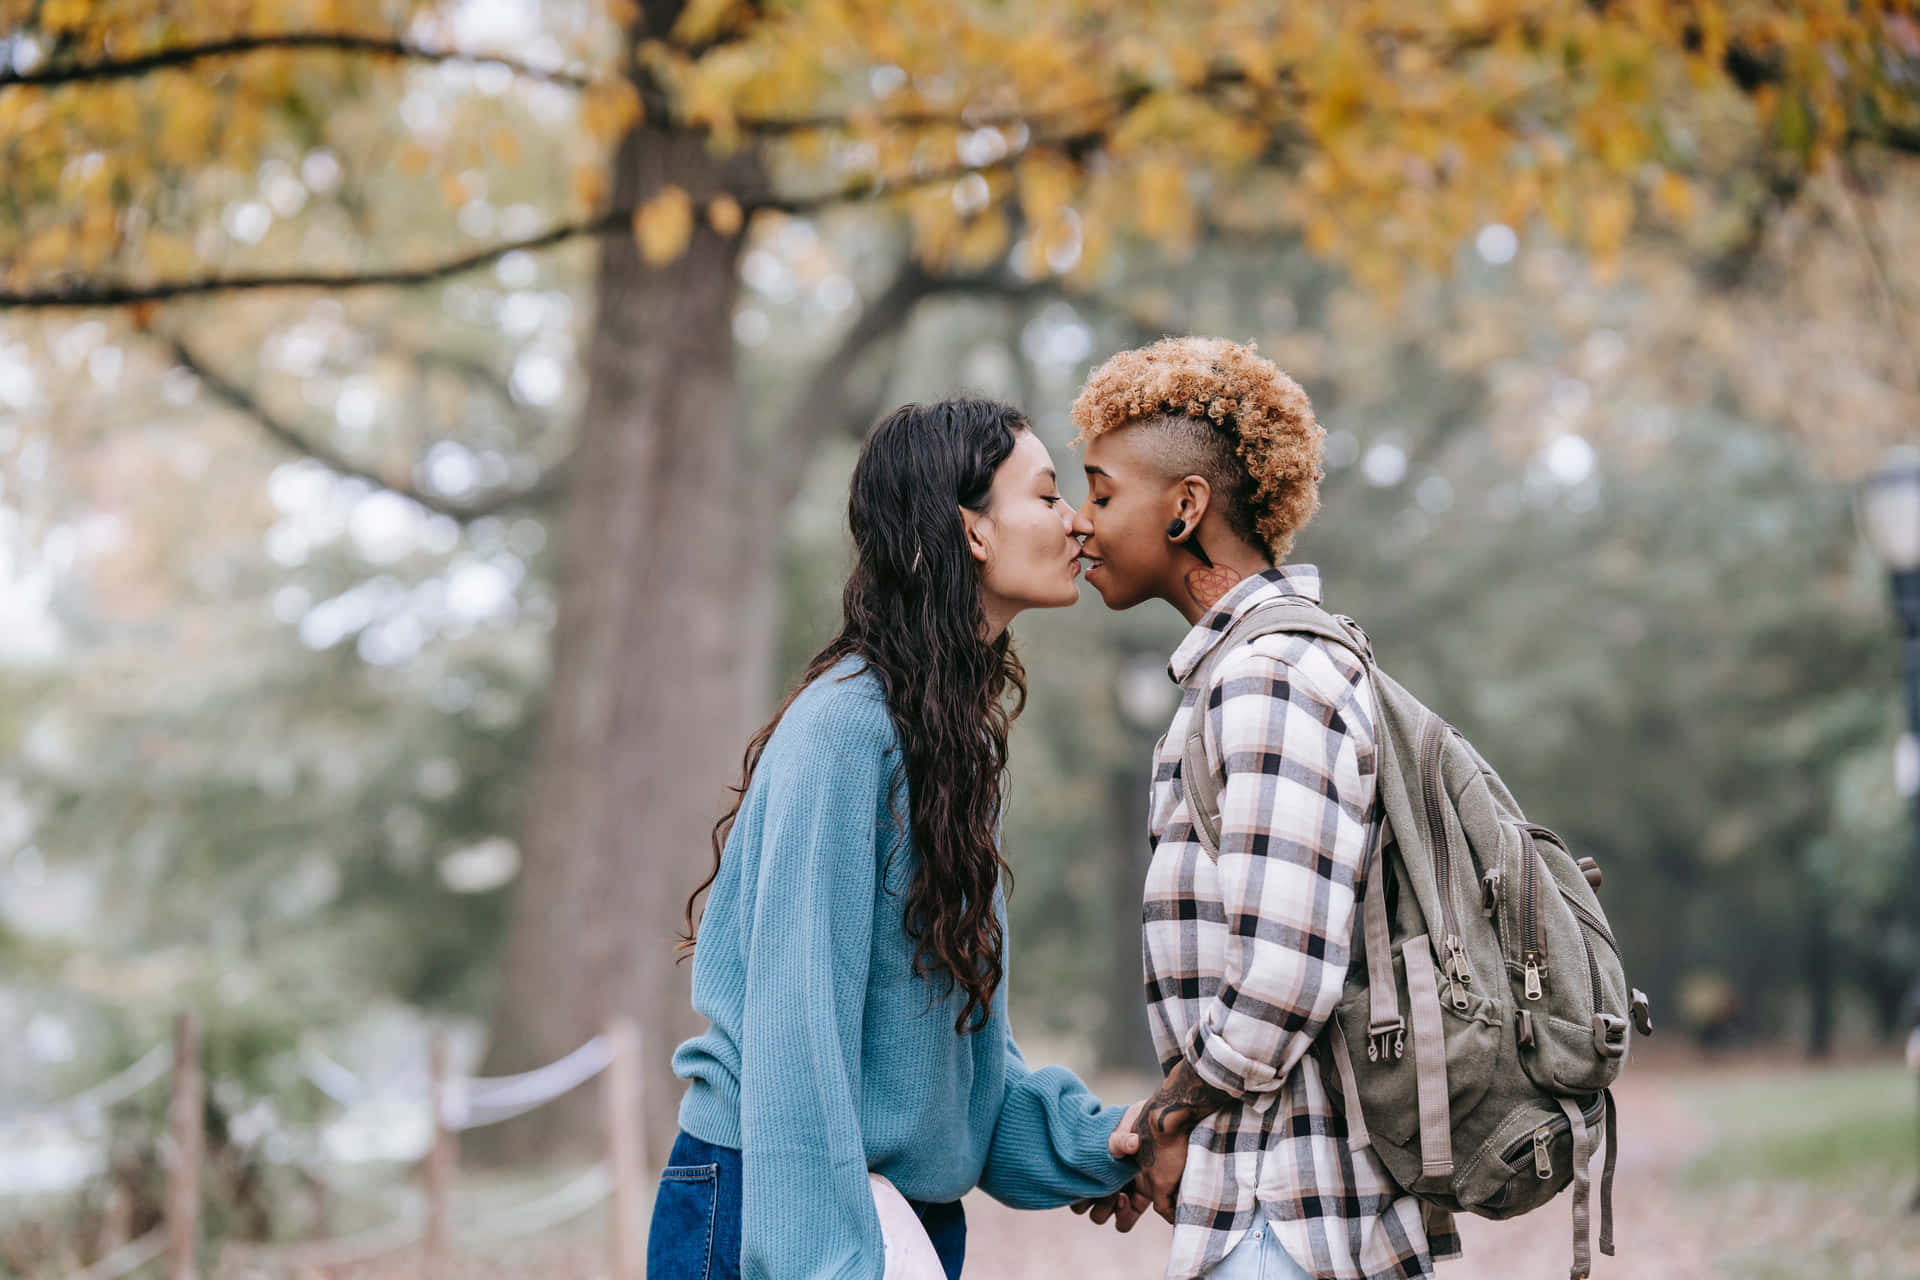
{"x": 1258, "y": 1256}
{"x": 696, "y": 1218}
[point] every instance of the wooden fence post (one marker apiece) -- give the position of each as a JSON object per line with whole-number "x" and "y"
{"x": 441, "y": 1160}
{"x": 185, "y": 1121}
{"x": 625, "y": 1141}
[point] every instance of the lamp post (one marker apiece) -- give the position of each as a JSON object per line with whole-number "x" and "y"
{"x": 1888, "y": 507}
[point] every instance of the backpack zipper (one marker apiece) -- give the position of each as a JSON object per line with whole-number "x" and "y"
{"x": 1544, "y": 1135}
{"x": 1534, "y": 941}
{"x": 1593, "y": 964}
{"x": 1599, "y": 926}
{"x": 1531, "y": 950}
{"x": 1453, "y": 959}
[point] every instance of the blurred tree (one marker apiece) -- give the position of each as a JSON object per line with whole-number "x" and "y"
{"x": 1388, "y": 133}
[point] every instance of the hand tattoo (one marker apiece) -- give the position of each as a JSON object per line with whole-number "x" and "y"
{"x": 1182, "y": 1101}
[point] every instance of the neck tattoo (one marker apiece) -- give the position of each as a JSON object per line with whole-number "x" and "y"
{"x": 1208, "y": 585}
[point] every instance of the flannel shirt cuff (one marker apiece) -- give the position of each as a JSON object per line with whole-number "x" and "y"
{"x": 1229, "y": 1070}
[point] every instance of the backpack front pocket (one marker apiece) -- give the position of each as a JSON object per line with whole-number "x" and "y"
{"x": 1569, "y": 990}
{"x": 1471, "y": 1032}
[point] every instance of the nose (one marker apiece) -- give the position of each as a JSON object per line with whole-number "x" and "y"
{"x": 1068, "y": 516}
{"x": 1081, "y": 527}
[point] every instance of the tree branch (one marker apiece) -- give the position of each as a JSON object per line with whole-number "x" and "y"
{"x": 388, "y": 47}
{"x": 1860, "y": 203}
{"x": 120, "y": 295}
{"x": 825, "y": 405}
{"x": 477, "y": 374}
{"x": 243, "y": 400}
{"x": 87, "y": 294}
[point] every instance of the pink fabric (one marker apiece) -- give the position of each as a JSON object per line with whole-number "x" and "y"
{"x": 910, "y": 1255}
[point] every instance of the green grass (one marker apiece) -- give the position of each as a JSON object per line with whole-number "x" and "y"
{"x": 1808, "y": 1175}
{"x": 1829, "y": 1128}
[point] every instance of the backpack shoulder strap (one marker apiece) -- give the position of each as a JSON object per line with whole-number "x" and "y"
{"x": 1386, "y": 1038}
{"x": 1290, "y": 615}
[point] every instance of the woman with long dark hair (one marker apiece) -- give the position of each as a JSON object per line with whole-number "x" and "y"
{"x": 852, "y": 954}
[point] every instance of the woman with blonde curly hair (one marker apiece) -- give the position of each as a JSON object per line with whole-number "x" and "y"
{"x": 1203, "y": 462}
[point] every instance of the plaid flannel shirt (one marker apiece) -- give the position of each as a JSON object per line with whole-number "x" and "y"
{"x": 1246, "y": 957}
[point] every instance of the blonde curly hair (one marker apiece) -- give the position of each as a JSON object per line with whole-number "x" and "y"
{"x": 1217, "y": 394}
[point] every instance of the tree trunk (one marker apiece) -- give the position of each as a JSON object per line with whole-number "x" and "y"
{"x": 660, "y": 662}
{"x": 1819, "y": 947}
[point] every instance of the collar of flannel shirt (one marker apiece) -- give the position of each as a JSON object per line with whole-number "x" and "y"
{"x": 1248, "y": 593}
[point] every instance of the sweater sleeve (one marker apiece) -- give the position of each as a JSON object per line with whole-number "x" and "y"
{"x": 808, "y": 1210}
{"x": 1049, "y": 1144}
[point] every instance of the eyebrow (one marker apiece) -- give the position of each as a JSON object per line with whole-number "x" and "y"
{"x": 1052, "y": 478}
{"x": 1097, "y": 471}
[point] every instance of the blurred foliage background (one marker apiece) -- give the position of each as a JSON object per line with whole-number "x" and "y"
{"x": 424, "y": 432}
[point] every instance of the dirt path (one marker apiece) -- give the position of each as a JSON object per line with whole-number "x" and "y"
{"x": 1655, "y": 1240}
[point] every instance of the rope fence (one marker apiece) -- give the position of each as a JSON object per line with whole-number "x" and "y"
{"x": 128, "y": 1258}
{"x": 455, "y": 1104}
{"x": 94, "y": 1100}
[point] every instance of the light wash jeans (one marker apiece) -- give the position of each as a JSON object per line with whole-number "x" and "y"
{"x": 1258, "y": 1256}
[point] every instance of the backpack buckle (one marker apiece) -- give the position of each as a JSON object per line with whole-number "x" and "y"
{"x": 1386, "y": 1040}
{"x": 1641, "y": 1012}
{"x": 1609, "y": 1035}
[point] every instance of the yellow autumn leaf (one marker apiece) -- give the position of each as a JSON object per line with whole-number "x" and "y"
{"x": 505, "y": 145}
{"x": 590, "y": 184}
{"x": 1673, "y": 197}
{"x": 1165, "y": 209}
{"x": 1045, "y": 183}
{"x": 724, "y": 215}
{"x": 1607, "y": 215}
{"x": 700, "y": 20}
{"x": 663, "y": 226}
{"x": 609, "y": 108}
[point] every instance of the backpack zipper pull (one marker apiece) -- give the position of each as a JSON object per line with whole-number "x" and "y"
{"x": 1455, "y": 967}
{"x": 1543, "y": 1153}
{"x": 1533, "y": 980}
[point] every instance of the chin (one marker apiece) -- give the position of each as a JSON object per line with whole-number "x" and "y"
{"x": 1116, "y": 597}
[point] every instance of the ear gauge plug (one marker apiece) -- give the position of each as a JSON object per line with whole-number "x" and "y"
{"x": 1176, "y": 527}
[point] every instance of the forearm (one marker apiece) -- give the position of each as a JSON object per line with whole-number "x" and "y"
{"x": 1182, "y": 1101}
{"x": 1050, "y": 1144}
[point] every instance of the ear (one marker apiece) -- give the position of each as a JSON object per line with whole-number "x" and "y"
{"x": 1192, "y": 496}
{"x": 979, "y": 530}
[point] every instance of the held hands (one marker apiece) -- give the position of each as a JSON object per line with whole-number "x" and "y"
{"x": 1161, "y": 1150}
{"x": 1154, "y": 1136}
{"x": 1154, "y": 1133}
{"x": 1125, "y": 1207}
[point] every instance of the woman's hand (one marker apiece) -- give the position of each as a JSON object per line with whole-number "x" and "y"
{"x": 1125, "y": 1207}
{"x": 1155, "y": 1132}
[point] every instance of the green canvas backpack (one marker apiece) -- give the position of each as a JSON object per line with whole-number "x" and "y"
{"x": 1486, "y": 1011}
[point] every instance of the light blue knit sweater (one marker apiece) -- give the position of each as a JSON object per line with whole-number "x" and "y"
{"x": 824, "y": 1059}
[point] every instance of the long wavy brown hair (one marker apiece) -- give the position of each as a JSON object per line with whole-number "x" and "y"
{"x": 913, "y": 615}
